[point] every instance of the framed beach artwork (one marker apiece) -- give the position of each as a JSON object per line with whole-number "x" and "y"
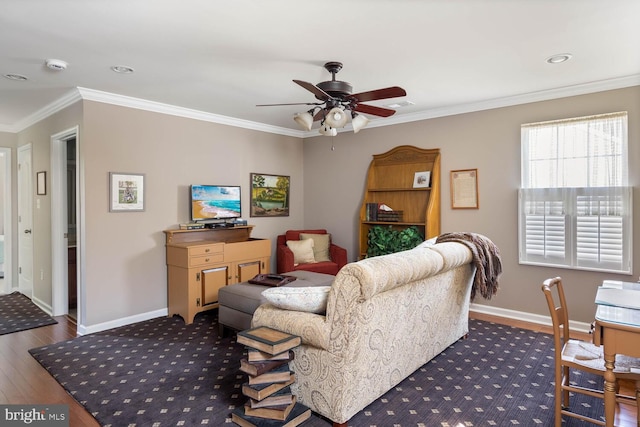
{"x": 126, "y": 192}
{"x": 269, "y": 195}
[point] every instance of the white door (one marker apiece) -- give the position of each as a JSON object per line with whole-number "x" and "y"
{"x": 25, "y": 221}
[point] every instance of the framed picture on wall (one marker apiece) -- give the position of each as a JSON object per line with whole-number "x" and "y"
{"x": 269, "y": 195}
{"x": 126, "y": 192}
{"x": 464, "y": 189}
{"x": 41, "y": 183}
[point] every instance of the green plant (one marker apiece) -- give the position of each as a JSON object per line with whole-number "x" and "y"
{"x": 387, "y": 240}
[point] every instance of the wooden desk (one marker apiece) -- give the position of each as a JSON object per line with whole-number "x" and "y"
{"x": 618, "y": 331}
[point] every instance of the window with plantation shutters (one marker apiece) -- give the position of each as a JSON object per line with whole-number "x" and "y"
{"x": 574, "y": 203}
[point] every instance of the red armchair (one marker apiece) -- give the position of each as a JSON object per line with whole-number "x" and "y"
{"x": 284, "y": 255}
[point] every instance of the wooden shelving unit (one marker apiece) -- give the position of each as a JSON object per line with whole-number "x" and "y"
{"x": 390, "y": 182}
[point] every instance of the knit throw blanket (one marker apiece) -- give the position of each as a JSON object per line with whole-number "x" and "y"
{"x": 486, "y": 258}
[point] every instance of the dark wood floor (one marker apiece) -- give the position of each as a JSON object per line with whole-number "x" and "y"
{"x": 24, "y": 381}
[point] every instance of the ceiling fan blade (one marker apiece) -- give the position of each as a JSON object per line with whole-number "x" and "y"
{"x": 294, "y": 103}
{"x": 319, "y": 93}
{"x": 372, "y": 95}
{"x": 376, "y": 111}
{"x": 319, "y": 115}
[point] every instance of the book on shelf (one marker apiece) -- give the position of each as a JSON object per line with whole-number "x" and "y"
{"x": 298, "y": 415}
{"x": 280, "y": 374}
{"x": 254, "y": 355}
{"x": 262, "y": 391}
{"x": 280, "y": 412}
{"x": 268, "y": 340}
{"x": 280, "y": 397}
{"x": 372, "y": 211}
{"x": 259, "y": 368}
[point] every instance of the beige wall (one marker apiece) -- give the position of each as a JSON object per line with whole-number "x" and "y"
{"x": 489, "y": 141}
{"x": 125, "y": 255}
{"x": 39, "y": 136}
{"x": 124, "y": 259}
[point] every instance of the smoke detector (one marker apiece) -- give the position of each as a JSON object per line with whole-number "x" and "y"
{"x": 56, "y": 64}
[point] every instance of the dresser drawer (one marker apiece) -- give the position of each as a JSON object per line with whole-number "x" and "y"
{"x": 200, "y": 261}
{"x": 191, "y": 255}
{"x": 213, "y": 248}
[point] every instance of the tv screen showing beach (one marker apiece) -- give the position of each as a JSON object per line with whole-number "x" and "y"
{"x": 215, "y": 202}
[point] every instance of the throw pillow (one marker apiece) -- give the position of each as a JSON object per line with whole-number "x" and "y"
{"x": 302, "y": 251}
{"x": 321, "y": 244}
{"x": 309, "y": 299}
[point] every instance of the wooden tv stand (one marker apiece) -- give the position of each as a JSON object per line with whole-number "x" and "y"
{"x": 201, "y": 262}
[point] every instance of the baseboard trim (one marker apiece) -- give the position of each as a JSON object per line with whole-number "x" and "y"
{"x": 526, "y": 317}
{"x": 42, "y": 305}
{"x": 83, "y": 330}
{"x": 478, "y": 308}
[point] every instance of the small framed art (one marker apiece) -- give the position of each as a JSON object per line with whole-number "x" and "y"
{"x": 464, "y": 189}
{"x": 422, "y": 179}
{"x": 41, "y": 183}
{"x": 126, "y": 192}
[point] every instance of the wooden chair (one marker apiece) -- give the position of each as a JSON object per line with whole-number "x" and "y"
{"x": 580, "y": 355}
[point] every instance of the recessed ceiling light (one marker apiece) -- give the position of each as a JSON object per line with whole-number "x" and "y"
{"x": 17, "y": 77}
{"x": 56, "y": 64}
{"x": 559, "y": 58}
{"x": 122, "y": 69}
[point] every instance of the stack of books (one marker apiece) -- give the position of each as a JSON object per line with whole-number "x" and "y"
{"x": 389, "y": 216}
{"x": 381, "y": 212}
{"x": 270, "y": 400}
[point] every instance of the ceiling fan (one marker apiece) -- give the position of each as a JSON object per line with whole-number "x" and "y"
{"x": 336, "y": 100}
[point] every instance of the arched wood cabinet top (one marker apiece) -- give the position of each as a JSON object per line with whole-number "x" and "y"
{"x": 407, "y": 179}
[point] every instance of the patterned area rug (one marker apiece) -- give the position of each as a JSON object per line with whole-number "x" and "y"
{"x": 165, "y": 373}
{"x": 18, "y": 313}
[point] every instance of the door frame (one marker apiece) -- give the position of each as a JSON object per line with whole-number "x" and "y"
{"x": 59, "y": 224}
{"x": 8, "y": 222}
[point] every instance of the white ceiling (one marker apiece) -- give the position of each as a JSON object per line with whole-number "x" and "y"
{"x": 223, "y": 58}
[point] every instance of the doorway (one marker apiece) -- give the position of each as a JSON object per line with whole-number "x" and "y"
{"x": 65, "y": 226}
{"x": 6, "y": 285}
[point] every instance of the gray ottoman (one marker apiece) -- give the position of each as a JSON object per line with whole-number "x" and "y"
{"x": 238, "y": 302}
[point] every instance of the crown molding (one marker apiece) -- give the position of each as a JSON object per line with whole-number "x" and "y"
{"x": 158, "y": 107}
{"x": 61, "y": 103}
{"x": 81, "y": 93}
{"x": 545, "y": 95}
{"x": 508, "y": 101}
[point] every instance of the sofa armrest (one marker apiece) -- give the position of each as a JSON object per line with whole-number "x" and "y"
{"x": 338, "y": 255}
{"x": 284, "y": 258}
{"x": 312, "y": 328}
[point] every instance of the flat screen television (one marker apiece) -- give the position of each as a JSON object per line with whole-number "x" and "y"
{"x": 215, "y": 202}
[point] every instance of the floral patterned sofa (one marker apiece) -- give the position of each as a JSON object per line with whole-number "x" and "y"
{"x": 386, "y": 316}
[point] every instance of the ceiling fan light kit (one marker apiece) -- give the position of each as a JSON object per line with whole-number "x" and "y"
{"x": 327, "y": 130}
{"x": 336, "y": 118}
{"x": 336, "y": 101}
{"x": 358, "y": 121}
{"x": 305, "y": 120}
